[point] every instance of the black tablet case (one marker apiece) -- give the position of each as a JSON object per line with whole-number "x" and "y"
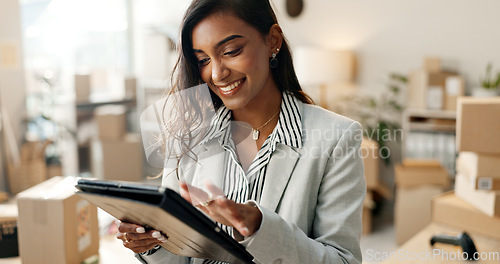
{"x": 190, "y": 233}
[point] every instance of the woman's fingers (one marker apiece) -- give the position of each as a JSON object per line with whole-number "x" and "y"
{"x": 198, "y": 196}
{"x": 194, "y": 195}
{"x": 142, "y": 244}
{"x": 151, "y": 234}
{"x": 137, "y": 239}
{"x": 130, "y": 228}
{"x": 234, "y": 213}
{"x": 214, "y": 190}
{"x": 185, "y": 192}
{"x": 143, "y": 248}
{"x": 245, "y": 218}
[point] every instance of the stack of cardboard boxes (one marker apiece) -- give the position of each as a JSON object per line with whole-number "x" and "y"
{"x": 478, "y": 165}
{"x": 417, "y": 182}
{"x": 85, "y": 82}
{"x": 82, "y": 87}
{"x": 434, "y": 88}
{"x": 475, "y": 205}
{"x": 116, "y": 155}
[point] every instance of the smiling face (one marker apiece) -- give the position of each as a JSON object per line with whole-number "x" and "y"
{"x": 233, "y": 59}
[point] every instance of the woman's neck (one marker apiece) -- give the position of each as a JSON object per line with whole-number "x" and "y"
{"x": 260, "y": 110}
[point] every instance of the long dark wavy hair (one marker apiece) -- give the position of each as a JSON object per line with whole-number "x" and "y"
{"x": 256, "y": 13}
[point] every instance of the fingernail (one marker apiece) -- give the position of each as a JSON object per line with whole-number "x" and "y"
{"x": 156, "y": 234}
{"x": 140, "y": 230}
{"x": 246, "y": 231}
{"x": 162, "y": 239}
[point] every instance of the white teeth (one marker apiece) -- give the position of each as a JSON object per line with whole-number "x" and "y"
{"x": 230, "y": 87}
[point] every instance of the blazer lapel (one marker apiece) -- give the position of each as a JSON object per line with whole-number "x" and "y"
{"x": 278, "y": 174}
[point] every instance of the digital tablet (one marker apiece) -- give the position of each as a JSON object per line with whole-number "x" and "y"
{"x": 190, "y": 232}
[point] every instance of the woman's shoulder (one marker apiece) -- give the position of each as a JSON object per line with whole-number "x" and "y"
{"x": 315, "y": 117}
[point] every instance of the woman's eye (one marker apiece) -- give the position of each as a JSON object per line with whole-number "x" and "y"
{"x": 233, "y": 52}
{"x": 203, "y": 62}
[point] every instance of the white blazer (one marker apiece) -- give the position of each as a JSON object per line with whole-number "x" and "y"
{"x": 312, "y": 197}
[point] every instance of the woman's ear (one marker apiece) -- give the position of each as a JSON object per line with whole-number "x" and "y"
{"x": 274, "y": 39}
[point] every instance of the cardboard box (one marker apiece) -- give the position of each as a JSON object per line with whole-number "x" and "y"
{"x": 111, "y": 121}
{"x": 3, "y": 196}
{"x": 130, "y": 87}
{"x": 435, "y": 97}
{"x": 486, "y": 184}
{"x": 414, "y": 173}
{"x": 54, "y": 170}
{"x": 55, "y": 225}
{"x": 450, "y": 210}
{"x": 454, "y": 88}
{"x": 419, "y": 83}
{"x": 487, "y": 202}
{"x": 412, "y": 210}
{"x": 478, "y": 124}
{"x": 482, "y": 170}
{"x": 82, "y": 87}
{"x": 368, "y": 205}
{"x": 31, "y": 169}
{"x": 432, "y": 64}
{"x": 422, "y": 163}
{"x": 118, "y": 159}
{"x": 26, "y": 174}
{"x": 8, "y": 231}
{"x": 370, "y": 154}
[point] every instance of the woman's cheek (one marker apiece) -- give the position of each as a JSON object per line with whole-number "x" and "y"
{"x": 246, "y": 64}
{"x": 206, "y": 73}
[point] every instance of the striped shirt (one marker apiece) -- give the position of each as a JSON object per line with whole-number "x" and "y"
{"x": 241, "y": 186}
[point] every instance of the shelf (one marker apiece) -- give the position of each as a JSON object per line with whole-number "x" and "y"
{"x": 429, "y": 127}
{"x": 430, "y": 134}
{"x": 423, "y": 113}
{"x": 92, "y": 104}
{"x": 429, "y": 120}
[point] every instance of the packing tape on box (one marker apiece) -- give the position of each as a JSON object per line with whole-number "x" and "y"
{"x": 59, "y": 188}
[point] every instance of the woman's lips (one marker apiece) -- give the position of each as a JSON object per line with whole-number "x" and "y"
{"x": 232, "y": 88}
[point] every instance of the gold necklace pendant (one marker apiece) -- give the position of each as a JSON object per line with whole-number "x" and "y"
{"x": 255, "y": 134}
{"x": 255, "y": 131}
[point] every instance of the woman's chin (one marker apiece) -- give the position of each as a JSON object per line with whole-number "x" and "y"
{"x": 233, "y": 104}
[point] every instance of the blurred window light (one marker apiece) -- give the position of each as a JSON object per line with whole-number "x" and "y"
{"x": 70, "y": 36}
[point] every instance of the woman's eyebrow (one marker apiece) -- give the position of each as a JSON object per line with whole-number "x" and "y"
{"x": 222, "y": 42}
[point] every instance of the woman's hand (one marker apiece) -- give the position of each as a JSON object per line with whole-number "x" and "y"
{"x": 246, "y": 219}
{"x": 137, "y": 239}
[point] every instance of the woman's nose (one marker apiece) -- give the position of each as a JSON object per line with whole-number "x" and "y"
{"x": 219, "y": 71}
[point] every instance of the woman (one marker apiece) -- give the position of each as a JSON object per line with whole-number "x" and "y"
{"x": 292, "y": 181}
